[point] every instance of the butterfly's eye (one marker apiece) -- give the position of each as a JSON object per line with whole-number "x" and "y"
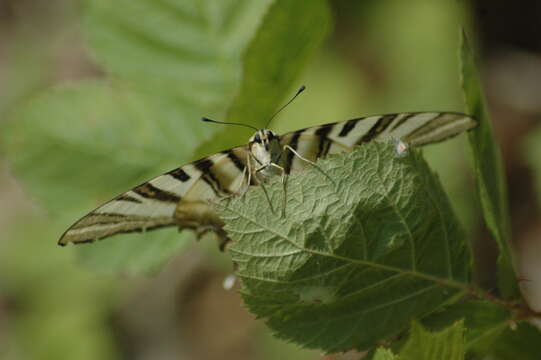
{"x": 257, "y": 138}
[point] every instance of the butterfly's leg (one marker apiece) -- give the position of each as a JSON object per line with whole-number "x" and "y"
{"x": 266, "y": 195}
{"x": 240, "y": 190}
{"x": 287, "y": 147}
{"x": 223, "y": 239}
{"x": 249, "y": 169}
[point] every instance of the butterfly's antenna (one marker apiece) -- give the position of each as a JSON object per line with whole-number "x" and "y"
{"x": 283, "y": 107}
{"x": 228, "y": 123}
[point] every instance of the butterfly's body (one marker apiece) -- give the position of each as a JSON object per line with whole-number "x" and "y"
{"x": 266, "y": 153}
{"x": 182, "y": 197}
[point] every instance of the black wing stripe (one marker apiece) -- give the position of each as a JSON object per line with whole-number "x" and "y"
{"x": 209, "y": 177}
{"x": 180, "y": 174}
{"x": 99, "y": 219}
{"x": 204, "y": 166}
{"x": 108, "y": 214}
{"x": 429, "y": 126}
{"x": 294, "y": 143}
{"x": 238, "y": 163}
{"x": 148, "y": 191}
{"x": 348, "y": 126}
{"x": 402, "y": 121}
{"x": 377, "y": 128}
{"x": 324, "y": 141}
{"x": 235, "y": 159}
{"x": 138, "y": 230}
{"x": 128, "y": 198}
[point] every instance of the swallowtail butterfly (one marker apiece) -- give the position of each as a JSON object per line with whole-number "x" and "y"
{"x": 181, "y": 197}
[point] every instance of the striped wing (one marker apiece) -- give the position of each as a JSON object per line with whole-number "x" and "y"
{"x": 415, "y": 129}
{"x": 177, "y": 198}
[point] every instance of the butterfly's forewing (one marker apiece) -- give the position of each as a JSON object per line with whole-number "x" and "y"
{"x": 181, "y": 197}
{"x": 177, "y": 198}
{"x": 415, "y": 129}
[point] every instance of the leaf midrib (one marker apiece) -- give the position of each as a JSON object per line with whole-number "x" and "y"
{"x": 413, "y": 273}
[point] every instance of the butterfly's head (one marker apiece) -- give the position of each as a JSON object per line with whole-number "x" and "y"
{"x": 265, "y": 146}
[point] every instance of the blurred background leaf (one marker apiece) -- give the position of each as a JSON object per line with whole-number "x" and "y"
{"x": 384, "y": 354}
{"x": 484, "y": 322}
{"x": 491, "y": 186}
{"x": 160, "y": 80}
{"x": 423, "y": 345}
{"x": 522, "y": 342}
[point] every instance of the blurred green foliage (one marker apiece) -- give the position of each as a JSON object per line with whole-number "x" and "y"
{"x": 491, "y": 185}
{"x": 384, "y": 354}
{"x": 446, "y": 344}
{"x": 162, "y": 65}
{"x": 484, "y": 322}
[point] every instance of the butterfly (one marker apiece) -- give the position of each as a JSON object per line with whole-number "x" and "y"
{"x": 182, "y": 197}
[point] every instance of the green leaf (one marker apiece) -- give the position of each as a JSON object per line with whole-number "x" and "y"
{"x": 484, "y": 322}
{"x": 187, "y": 50}
{"x": 522, "y": 343}
{"x": 532, "y": 151}
{"x": 355, "y": 258}
{"x": 489, "y": 172}
{"x": 167, "y": 63}
{"x": 84, "y": 166}
{"x": 79, "y": 129}
{"x": 288, "y": 29}
{"x": 447, "y": 344}
{"x": 273, "y": 72}
{"x": 384, "y": 354}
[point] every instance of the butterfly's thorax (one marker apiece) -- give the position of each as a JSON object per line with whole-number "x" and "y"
{"x": 265, "y": 150}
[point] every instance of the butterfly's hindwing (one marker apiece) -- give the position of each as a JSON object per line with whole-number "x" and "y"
{"x": 177, "y": 198}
